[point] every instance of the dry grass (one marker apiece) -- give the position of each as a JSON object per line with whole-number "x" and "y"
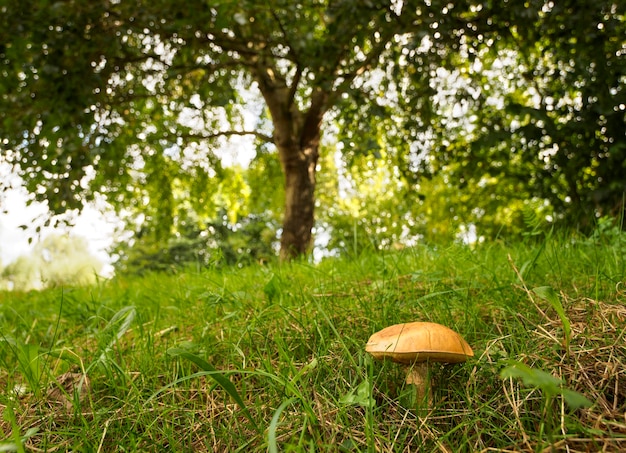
{"x": 594, "y": 365}
{"x": 304, "y": 350}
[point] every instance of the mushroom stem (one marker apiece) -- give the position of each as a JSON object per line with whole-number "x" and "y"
{"x": 418, "y": 377}
{"x": 415, "y": 344}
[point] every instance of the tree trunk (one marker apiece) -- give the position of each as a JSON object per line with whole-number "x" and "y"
{"x": 299, "y": 165}
{"x": 296, "y": 136}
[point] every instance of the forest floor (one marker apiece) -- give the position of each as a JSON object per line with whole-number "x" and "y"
{"x": 271, "y": 357}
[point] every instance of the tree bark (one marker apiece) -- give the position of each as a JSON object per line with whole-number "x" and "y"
{"x": 299, "y": 165}
{"x": 296, "y": 136}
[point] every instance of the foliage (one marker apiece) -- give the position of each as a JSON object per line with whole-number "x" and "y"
{"x": 216, "y": 243}
{"x": 551, "y": 128}
{"x": 58, "y": 260}
{"x": 498, "y": 109}
{"x": 609, "y": 231}
{"x": 368, "y": 205}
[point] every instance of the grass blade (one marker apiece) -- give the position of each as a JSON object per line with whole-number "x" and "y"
{"x": 271, "y": 434}
{"x": 123, "y": 320}
{"x": 219, "y": 377}
{"x": 549, "y": 294}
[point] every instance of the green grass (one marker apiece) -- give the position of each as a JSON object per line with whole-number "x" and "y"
{"x": 271, "y": 358}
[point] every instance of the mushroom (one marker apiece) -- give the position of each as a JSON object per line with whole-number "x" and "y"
{"x": 415, "y": 344}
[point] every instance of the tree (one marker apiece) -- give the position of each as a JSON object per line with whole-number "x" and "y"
{"x": 553, "y": 128}
{"x": 93, "y": 93}
{"x": 131, "y": 100}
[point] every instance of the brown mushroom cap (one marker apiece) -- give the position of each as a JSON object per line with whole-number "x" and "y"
{"x": 418, "y": 342}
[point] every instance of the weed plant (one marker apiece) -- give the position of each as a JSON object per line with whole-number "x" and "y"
{"x": 271, "y": 357}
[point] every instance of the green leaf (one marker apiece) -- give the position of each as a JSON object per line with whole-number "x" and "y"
{"x": 360, "y": 396}
{"x": 549, "y": 384}
{"x": 532, "y": 377}
{"x": 118, "y": 325}
{"x": 304, "y": 370}
{"x": 574, "y": 399}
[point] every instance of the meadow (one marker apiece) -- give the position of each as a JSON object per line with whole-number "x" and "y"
{"x": 271, "y": 357}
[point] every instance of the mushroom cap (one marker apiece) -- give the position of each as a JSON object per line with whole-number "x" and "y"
{"x": 419, "y": 342}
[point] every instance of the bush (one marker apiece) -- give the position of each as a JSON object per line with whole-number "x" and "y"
{"x": 215, "y": 244}
{"x": 58, "y": 260}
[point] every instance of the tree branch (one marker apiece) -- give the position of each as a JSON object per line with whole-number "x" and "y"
{"x": 260, "y": 135}
{"x": 296, "y": 60}
{"x": 294, "y": 84}
{"x": 310, "y": 128}
{"x": 360, "y": 69}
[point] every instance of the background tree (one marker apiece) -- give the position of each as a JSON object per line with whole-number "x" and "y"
{"x": 94, "y": 93}
{"x": 131, "y": 100}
